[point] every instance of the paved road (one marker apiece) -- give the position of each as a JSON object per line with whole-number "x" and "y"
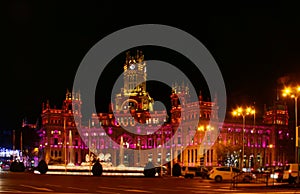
{"x": 29, "y": 183}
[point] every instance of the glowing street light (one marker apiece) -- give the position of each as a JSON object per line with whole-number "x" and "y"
{"x": 243, "y": 112}
{"x": 294, "y": 92}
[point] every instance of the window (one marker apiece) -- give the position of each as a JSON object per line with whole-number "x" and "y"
{"x": 224, "y": 169}
{"x": 236, "y": 141}
{"x": 259, "y": 141}
{"x": 150, "y": 157}
{"x": 179, "y": 140}
{"x": 252, "y": 141}
{"x": 150, "y": 142}
{"x": 207, "y": 156}
{"x": 236, "y": 170}
{"x": 168, "y": 157}
{"x": 192, "y": 156}
{"x": 158, "y": 142}
{"x": 208, "y": 138}
{"x": 159, "y": 158}
{"x": 167, "y": 142}
{"x": 55, "y": 141}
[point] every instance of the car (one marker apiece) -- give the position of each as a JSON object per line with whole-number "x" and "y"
{"x": 158, "y": 170}
{"x": 188, "y": 172}
{"x": 291, "y": 172}
{"x": 265, "y": 171}
{"x": 277, "y": 174}
{"x": 194, "y": 171}
{"x": 229, "y": 173}
{"x": 202, "y": 172}
{"x": 5, "y": 166}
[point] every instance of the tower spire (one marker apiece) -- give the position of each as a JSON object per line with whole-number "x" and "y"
{"x": 216, "y": 98}
{"x": 200, "y": 96}
{"x": 47, "y": 105}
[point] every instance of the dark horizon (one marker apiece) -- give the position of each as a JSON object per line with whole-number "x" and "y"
{"x": 254, "y": 45}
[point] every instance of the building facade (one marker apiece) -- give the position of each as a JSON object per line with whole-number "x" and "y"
{"x": 131, "y": 133}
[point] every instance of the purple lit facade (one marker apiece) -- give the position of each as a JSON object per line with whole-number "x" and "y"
{"x": 266, "y": 143}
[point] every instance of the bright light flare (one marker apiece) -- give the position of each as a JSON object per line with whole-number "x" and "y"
{"x": 248, "y": 110}
{"x": 287, "y": 91}
{"x": 234, "y": 113}
{"x": 292, "y": 92}
{"x": 241, "y": 111}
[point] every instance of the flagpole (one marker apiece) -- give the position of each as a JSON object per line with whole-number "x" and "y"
{"x": 14, "y": 140}
{"x": 65, "y": 143}
{"x": 21, "y": 142}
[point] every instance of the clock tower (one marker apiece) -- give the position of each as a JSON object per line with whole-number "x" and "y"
{"x": 135, "y": 74}
{"x": 133, "y": 95}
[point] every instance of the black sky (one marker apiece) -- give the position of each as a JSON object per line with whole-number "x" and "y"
{"x": 43, "y": 44}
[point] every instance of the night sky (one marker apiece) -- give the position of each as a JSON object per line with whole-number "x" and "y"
{"x": 43, "y": 44}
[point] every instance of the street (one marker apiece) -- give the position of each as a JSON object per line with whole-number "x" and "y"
{"x": 12, "y": 182}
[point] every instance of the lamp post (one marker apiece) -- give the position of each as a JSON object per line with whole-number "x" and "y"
{"x": 139, "y": 152}
{"x": 243, "y": 112}
{"x": 89, "y": 143}
{"x": 294, "y": 92}
{"x": 65, "y": 144}
{"x": 270, "y": 151}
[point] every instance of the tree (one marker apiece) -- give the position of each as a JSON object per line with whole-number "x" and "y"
{"x": 42, "y": 167}
{"x": 177, "y": 170}
{"x": 97, "y": 168}
{"x": 228, "y": 154}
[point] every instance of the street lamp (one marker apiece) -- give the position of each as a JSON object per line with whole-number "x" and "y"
{"x": 138, "y": 145}
{"x": 294, "y": 92}
{"x": 243, "y": 112}
{"x": 270, "y": 151}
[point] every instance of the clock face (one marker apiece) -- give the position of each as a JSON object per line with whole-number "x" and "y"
{"x": 132, "y": 66}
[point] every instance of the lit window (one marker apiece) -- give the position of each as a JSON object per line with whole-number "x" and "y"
{"x": 179, "y": 140}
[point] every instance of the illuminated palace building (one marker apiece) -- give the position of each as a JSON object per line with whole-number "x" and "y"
{"x": 135, "y": 134}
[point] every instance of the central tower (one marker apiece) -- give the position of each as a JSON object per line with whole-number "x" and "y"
{"x": 133, "y": 95}
{"x": 135, "y": 74}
